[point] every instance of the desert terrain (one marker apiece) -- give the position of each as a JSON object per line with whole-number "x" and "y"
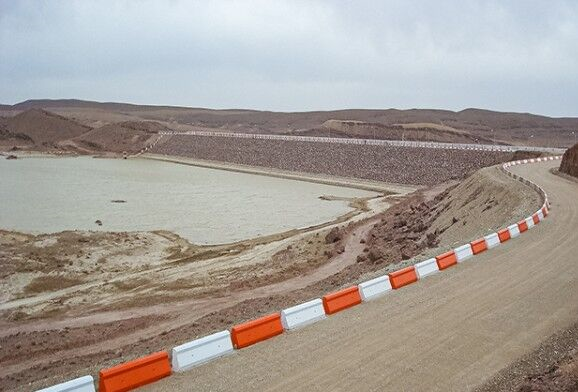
{"x": 123, "y": 295}
{"x": 466, "y": 126}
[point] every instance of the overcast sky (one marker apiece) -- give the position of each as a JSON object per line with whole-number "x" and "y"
{"x": 295, "y": 55}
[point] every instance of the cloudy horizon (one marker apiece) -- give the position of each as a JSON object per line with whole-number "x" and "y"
{"x": 520, "y": 56}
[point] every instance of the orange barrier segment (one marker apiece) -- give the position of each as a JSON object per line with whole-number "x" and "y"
{"x": 403, "y": 277}
{"x": 342, "y": 299}
{"x": 255, "y": 331}
{"x": 504, "y": 235}
{"x": 446, "y": 260}
{"x": 478, "y": 246}
{"x": 545, "y": 211}
{"x": 523, "y": 226}
{"x": 536, "y": 219}
{"x": 133, "y": 374}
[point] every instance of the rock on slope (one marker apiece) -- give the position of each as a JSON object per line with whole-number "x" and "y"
{"x": 569, "y": 163}
{"x": 481, "y": 204}
{"x": 129, "y": 136}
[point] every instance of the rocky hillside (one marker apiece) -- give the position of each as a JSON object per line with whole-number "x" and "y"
{"x": 129, "y": 136}
{"x": 410, "y": 131}
{"x": 569, "y": 163}
{"x": 36, "y": 126}
{"x": 512, "y": 128}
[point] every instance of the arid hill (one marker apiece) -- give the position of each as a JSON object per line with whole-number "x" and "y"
{"x": 569, "y": 163}
{"x": 409, "y": 131}
{"x": 36, "y": 126}
{"x": 129, "y": 136}
{"x": 468, "y": 124}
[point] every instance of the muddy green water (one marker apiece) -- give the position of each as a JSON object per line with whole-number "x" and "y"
{"x": 206, "y": 206}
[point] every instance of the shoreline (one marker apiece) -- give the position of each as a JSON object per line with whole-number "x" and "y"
{"x": 358, "y": 206}
{"x": 386, "y": 189}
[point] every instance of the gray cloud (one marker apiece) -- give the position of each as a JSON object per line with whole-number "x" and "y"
{"x": 295, "y": 55}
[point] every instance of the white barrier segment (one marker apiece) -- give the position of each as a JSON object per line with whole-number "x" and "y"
{"x": 540, "y": 215}
{"x": 81, "y": 384}
{"x": 529, "y": 222}
{"x": 492, "y": 240}
{"x": 463, "y": 252}
{"x": 302, "y": 314}
{"x": 201, "y": 350}
{"x": 427, "y": 267}
{"x": 374, "y": 287}
{"x": 514, "y": 230}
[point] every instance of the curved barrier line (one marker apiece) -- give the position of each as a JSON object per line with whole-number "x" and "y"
{"x": 155, "y": 366}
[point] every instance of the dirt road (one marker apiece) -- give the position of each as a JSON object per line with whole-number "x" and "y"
{"x": 451, "y": 331}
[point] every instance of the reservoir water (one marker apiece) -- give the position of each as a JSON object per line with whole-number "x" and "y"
{"x": 205, "y": 206}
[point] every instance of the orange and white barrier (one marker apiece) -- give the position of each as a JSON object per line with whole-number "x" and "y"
{"x": 529, "y": 222}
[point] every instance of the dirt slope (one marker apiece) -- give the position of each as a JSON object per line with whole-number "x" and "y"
{"x": 411, "y": 131}
{"x": 129, "y": 136}
{"x": 569, "y": 163}
{"x": 481, "y": 201}
{"x": 44, "y": 127}
{"x": 450, "y": 332}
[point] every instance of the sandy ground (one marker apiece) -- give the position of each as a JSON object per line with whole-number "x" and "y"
{"x": 552, "y": 367}
{"x": 450, "y": 332}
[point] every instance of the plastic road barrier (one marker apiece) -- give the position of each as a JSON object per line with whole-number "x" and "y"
{"x": 374, "y": 287}
{"x": 523, "y": 226}
{"x": 303, "y": 314}
{"x": 446, "y": 260}
{"x": 463, "y": 252}
{"x": 493, "y": 240}
{"x": 136, "y": 373}
{"x": 504, "y": 235}
{"x": 540, "y": 215}
{"x": 427, "y": 267}
{"x": 81, "y": 384}
{"x": 402, "y": 277}
{"x": 201, "y": 350}
{"x": 251, "y": 332}
{"x": 342, "y": 299}
{"x": 479, "y": 246}
{"x": 514, "y": 230}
